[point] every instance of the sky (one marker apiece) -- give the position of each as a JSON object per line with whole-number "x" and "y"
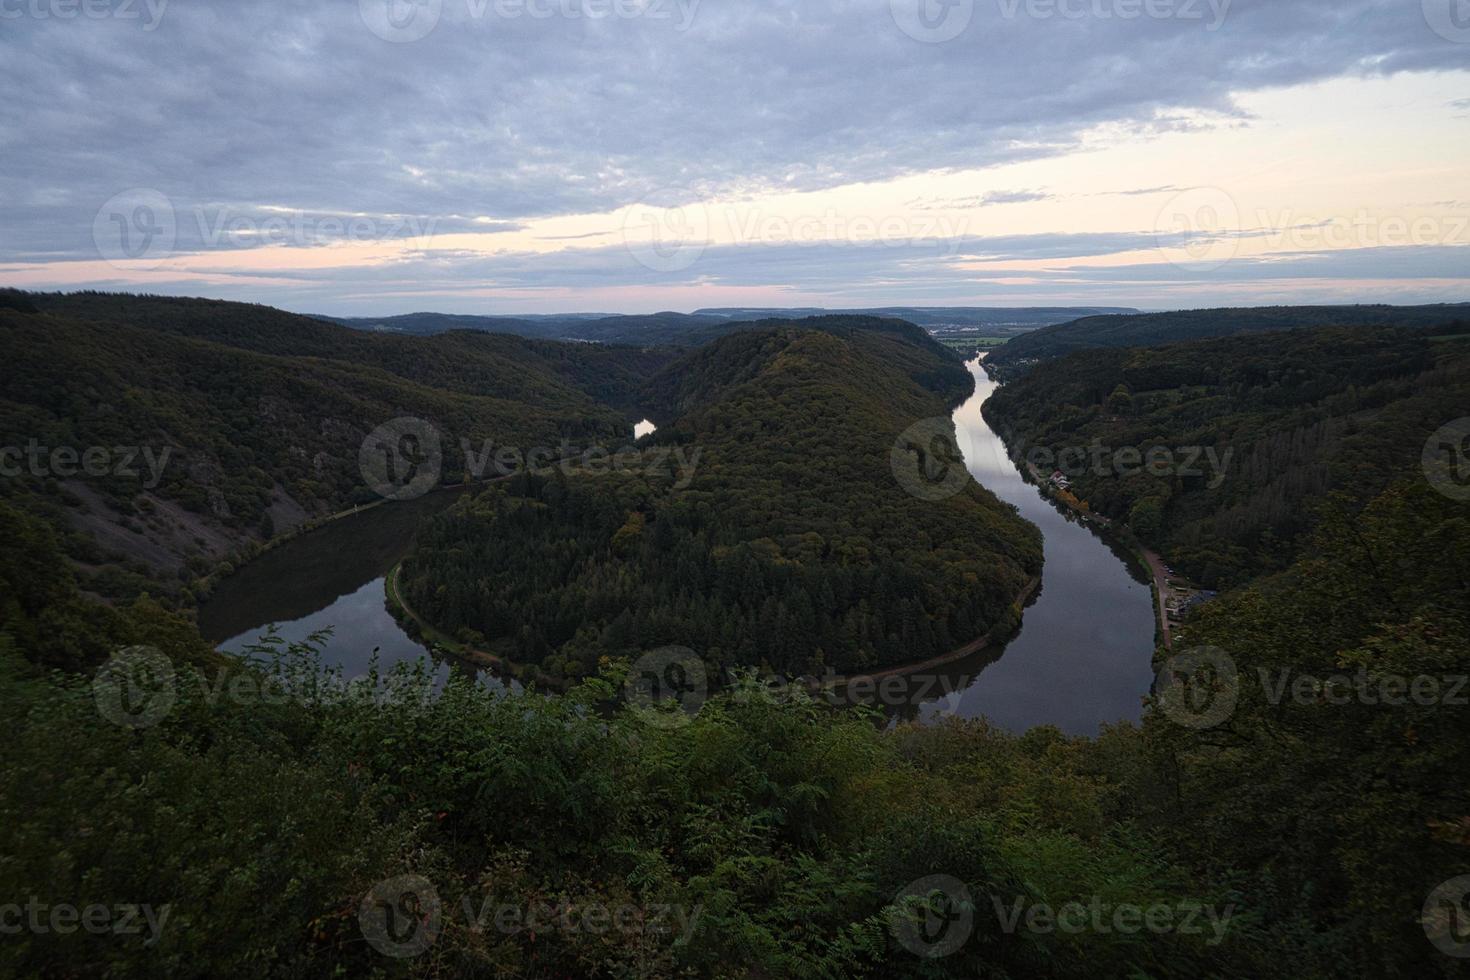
{"x": 373, "y": 157}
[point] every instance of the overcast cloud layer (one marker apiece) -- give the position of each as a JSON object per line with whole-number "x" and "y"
{"x": 269, "y": 124}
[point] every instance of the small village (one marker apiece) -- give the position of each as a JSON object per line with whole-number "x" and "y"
{"x": 1179, "y": 599}
{"x": 1060, "y": 487}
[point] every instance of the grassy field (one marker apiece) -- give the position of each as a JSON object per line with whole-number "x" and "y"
{"x": 970, "y": 343}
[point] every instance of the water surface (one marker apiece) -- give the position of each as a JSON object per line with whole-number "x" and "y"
{"x": 1083, "y": 654}
{"x": 332, "y": 577}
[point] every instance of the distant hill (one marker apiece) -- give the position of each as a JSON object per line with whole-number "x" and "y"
{"x": 702, "y": 326}
{"x": 932, "y": 317}
{"x": 1149, "y": 329}
{"x": 655, "y": 329}
{"x": 428, "y": 324}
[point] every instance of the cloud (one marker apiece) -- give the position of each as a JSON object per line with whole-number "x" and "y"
{"x": 969, "y": 270}
{"x": 980, "y": 200}
{"x": 303, "y": 106}
{"x": 1142, "y": 191}
{"x": 491, "y": 122}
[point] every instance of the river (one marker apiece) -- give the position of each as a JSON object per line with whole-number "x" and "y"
{"x": 1081, "y": 658}
{"x": 1083, "y": 654}
{"x": 331, "y": 577}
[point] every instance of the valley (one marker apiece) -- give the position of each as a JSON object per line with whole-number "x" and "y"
{"x": 740, "y": 617}
{"x": 1079, "y": 658}
{"x": 755, "y": 490}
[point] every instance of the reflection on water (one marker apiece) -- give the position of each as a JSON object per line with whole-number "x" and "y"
{"x": 331, "y": 577}
{"x": 1083, "y": 654}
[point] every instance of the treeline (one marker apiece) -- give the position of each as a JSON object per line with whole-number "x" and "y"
{"x": 1259, "y": 430}
{"x": 256, "y": 418}
{"x": 773, "y": 534}
{"x": 656, "y": 329}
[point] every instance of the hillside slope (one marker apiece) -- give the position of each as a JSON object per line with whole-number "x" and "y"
{"x": 221, "y": 424}
{"x": 470, "y": 362}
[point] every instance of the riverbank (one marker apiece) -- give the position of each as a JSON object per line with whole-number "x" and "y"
{"x": 1162, "y": 594}
{"x": 1152, "y": 560}
{"x": 439, "y": 641}
{"x": 943, "y": 660}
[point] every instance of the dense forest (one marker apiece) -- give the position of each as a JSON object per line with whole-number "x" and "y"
{"x": 786, "y": 543}
{"x": 558, "y": 375}
{"x": 770, "y": 835}
{"x": 656, "y": 329}
{"x": 1143, "y": 330}
{"x": 273, "y": 820}
{"x": 252, "y": 420}
{"x": 1257, "y": 432}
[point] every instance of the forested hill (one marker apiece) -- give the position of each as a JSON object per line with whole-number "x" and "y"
{"x": 1150, "y": 329}
{"x": 468, "y": 362}
{"x": 703, "y": 378}
{"x": 1259, "y": 429}
{"x": 257, "y": 419}
{"x": 773, "y": 530}
{"x": 677, "y": 329}
{"x": 930, "y": 316}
